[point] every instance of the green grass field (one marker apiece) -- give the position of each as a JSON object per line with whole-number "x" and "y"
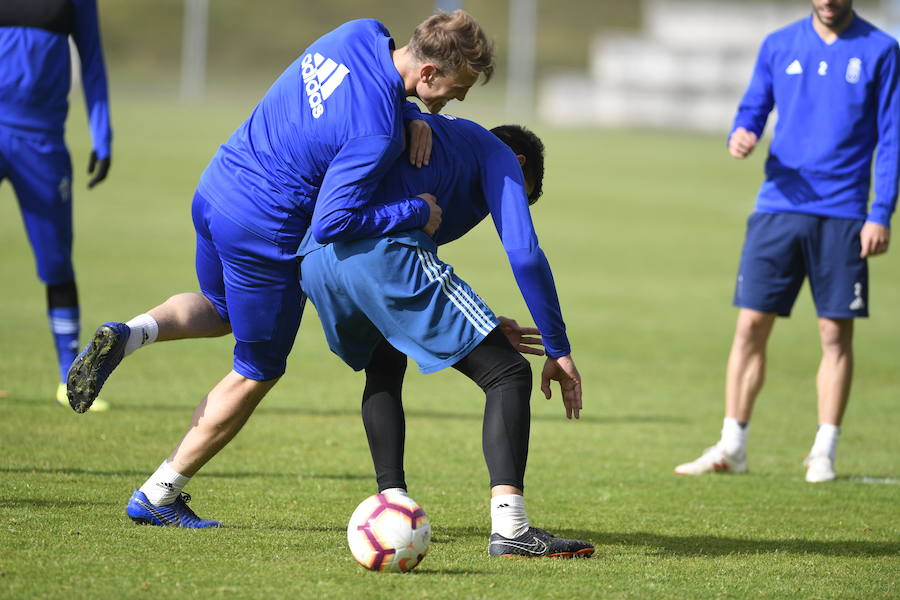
{"x": 643, "y": 231}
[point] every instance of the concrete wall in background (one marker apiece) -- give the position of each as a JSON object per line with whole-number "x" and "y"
{"x": 686, "y": 69}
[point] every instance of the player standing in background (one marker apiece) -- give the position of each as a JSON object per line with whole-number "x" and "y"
{"x": 326, "y": 131}
{"x": 395, "y": 288}
{"x": 35, "y": 77}
{"x": 833, "y": 77}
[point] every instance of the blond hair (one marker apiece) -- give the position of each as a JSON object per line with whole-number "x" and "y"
{"x": 455, "y": 43}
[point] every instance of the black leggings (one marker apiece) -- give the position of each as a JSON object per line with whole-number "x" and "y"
{"x": 505, "y": 377}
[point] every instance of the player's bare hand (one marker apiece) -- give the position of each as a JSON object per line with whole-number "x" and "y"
{"x": 741, "y": 143}
{"x": 99, "y": 168}
{"x": 419, "y": 133}
{"x": 563, "y": 370}
{"x": 874, "y": 239}
{"x": 518, "y": 337}
{"x": 434, "y": 217}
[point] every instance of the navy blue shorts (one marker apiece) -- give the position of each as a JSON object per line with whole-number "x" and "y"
{"x": 782, "y": 248}
{"x": 394, "y": 286}
{"x": 40, "y": 171}
{"x": 253, "y": 284}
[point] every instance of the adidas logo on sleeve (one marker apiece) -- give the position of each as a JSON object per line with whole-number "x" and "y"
{"x": 321, "y": 76}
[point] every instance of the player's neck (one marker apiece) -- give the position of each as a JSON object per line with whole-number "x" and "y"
{"x": 405, "y": 64}
{"x": 830, "y": 33}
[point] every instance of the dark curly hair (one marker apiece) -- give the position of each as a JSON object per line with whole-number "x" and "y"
{"x": 525, "y": 142}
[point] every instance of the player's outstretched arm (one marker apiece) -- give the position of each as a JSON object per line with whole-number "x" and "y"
{"x": 874, "y": 239}
{"x": 563, "y": 370}
{"x": 518, "y": 337}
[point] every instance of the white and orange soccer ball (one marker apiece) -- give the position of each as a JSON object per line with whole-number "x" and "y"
{"x": 389, "y": 532}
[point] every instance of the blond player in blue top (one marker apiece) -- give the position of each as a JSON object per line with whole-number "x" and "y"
{"x": 326, "y": 131}
{"x": 833, "y": 78}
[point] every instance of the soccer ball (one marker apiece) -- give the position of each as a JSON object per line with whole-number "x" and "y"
{"x": 389, "y": 532}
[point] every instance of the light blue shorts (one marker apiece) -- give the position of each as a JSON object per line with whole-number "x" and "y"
{"x": 394, "y": 286}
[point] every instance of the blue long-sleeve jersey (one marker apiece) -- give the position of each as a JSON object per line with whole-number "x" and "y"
{"x": 326, "y": 131}
{"x": 836, "y": 103}
{"x": 472, "y": 173}
{"x": 35, "y": 69}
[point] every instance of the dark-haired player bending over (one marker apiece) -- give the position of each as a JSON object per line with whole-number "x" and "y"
{"x": 381, "y": 298}
{"x": 326, "y": 131}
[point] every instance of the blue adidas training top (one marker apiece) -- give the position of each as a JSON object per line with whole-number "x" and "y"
{"x": 836, "y": 103}
{"x": 472, "y": 173}
{"x": 325, "y": 132}
{"x": 35, "y": 70}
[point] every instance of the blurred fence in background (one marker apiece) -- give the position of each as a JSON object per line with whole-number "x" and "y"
{"x": 685, "y": 68}
{"x": 679, "y": 64}
{"x": 250, "y": 43}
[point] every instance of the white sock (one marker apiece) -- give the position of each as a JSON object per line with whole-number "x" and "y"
{"x": 144, "y": 330}
{"x": 164, "y": 485}
{"x": 734, "y": 437}
{"x": 400, "y": 491}
{"x": 508, "y": 516}
{"x": 826, "y": 440}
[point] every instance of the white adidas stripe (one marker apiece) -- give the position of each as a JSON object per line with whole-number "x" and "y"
{"x": 465, "y": 303}
{"x": 64, "y": 326}
{"x": 335, "y": 80}
{"x": 473, "y": 301}
{"x": 450, "y": 286}
{"x": 327, "y": 69}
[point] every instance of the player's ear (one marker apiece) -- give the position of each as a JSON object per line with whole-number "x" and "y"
{"x": 521, "y": 159}
{"x": 427, "y": 73}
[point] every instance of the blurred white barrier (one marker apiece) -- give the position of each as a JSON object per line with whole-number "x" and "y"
{"x": 687, "y": 69}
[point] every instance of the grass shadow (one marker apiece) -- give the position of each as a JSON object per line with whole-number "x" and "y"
{"x": 241, "y": 526}
{"x": 712, "y": 546}
{"x": 281, "y": 411}
{"x": 213, "y": 474}
{"x": 420, "y": 571}
{"x": 188, "y": 407}
{"x": 72, "y": 471}
{"x": 263, "y": 475}
{"x": 448, "y": 534}
{"x": 40, "y": 503}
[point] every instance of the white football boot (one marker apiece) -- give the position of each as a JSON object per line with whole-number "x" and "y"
{"x": 819, "y": 468}
{"x": 714, "y": 460}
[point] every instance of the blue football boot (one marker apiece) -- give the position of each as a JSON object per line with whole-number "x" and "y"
{"x": 176, "y": 514}
{"x": 92, "y": 367}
